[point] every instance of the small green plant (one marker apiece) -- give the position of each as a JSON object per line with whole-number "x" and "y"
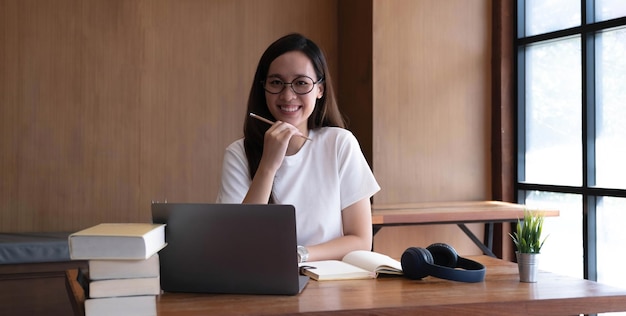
{"x": 527, "y": 237}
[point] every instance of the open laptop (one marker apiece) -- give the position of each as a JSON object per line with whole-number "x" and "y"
{"x": 229, "y": 248}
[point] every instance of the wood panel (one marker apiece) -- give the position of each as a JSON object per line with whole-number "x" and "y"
{"x": 108, "y": 105}
{"x": 355, "y": 70}
{"x": 431, "y": 66}
{"x": 432, "y": 100}
{"x": 8, "y": 114}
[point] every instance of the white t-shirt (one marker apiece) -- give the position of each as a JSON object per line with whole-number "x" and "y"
{"x": 327, "y": 175}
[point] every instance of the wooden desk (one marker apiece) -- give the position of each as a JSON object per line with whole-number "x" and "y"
{"x": 501, "y": 294}
{"x": 458, "y": 213}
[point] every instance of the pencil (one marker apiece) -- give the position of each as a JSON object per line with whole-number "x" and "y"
{"x": 262, "y": 119}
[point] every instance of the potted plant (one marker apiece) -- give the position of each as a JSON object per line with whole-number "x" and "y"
{"x": 527, "y": 240}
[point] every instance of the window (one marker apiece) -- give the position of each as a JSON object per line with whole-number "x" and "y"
{"x": 571, "y": 131}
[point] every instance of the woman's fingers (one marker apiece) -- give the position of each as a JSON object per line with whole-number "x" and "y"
{"x": 283, "y": 131}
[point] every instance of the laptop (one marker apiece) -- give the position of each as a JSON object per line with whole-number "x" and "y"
{"x": 229, "y": 248}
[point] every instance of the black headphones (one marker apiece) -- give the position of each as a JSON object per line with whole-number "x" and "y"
{"x": 440, "y": 260}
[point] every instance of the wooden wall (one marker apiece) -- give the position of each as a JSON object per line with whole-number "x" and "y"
{"x": 107, "y": 105}
{"x": 415, "y": 76}
{"x": 431, "y": 109}
{"x": 432, "y": 100}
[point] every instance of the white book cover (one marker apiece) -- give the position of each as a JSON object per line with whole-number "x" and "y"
{"x": 124, "y": 287}
{"x": 124, "y": 269}
{"x": 125, "y": 305}
{"x": 117, "y": 241}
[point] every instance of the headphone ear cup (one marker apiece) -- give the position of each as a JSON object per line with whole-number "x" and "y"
{"x": 415, "y": 263}
{"x": 443, "y": 255}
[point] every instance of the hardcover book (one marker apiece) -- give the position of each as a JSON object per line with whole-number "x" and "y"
{"x": 117, "y": 241}
{"x": 124, "y": 287}
{"x": 125, "y": 305}
{"x": 101, "y": 269}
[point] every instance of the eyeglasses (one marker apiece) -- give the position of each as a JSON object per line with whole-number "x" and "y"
{"x": 300, "y": 85}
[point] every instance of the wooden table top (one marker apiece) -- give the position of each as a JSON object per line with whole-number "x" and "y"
{"x": 500, "y": 294}
{"x": 451, "y": 212}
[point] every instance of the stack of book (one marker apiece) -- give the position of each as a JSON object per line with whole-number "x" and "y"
{"x": 123, "y": 275}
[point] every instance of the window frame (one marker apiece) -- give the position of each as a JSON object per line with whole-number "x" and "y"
{"x": 590, "y": 193}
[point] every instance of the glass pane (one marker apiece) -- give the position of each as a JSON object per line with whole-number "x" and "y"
{"x": 548, "y": 16}
{"x": 562, "y": 252}
{"x": 611, "y": 109}
{"x": 611, "y": 238}
{"x": 553, "y": 113}
{"x": 609, "y": 9}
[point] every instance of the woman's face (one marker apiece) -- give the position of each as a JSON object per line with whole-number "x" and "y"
{"x": 288, "y": 106}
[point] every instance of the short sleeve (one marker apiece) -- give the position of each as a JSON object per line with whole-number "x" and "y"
{"x": 356, "y": 178}
{"x": 235, "y": 180}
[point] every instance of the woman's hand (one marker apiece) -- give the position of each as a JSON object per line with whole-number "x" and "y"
{"x": 276, "y": 142}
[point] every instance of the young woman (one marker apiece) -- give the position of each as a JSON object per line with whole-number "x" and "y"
{"x": 306, "y": 158}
